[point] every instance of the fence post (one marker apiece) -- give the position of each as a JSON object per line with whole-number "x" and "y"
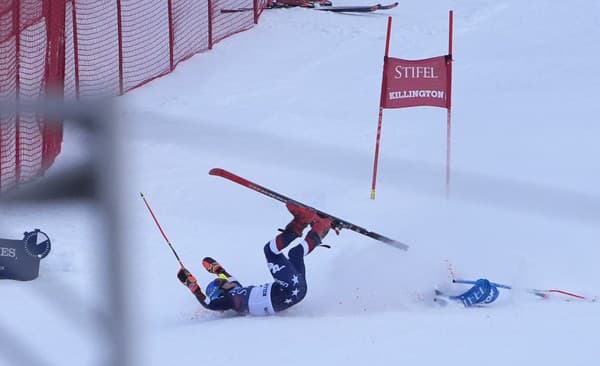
{"x": 256, "y": 11}
{"x": 54, "y": 78}
{"x": 210, "y": 25}
{"x": 75, "y": 47}
{"x": 120, "y": 35}
{"x": 171, "y": 35}
{"x": 17, "y": 31}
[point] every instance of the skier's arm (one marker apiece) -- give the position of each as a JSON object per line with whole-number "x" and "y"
{"x": 222, "y": 303}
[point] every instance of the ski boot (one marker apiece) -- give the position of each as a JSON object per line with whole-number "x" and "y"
{"x": 321, "y": 225}
{"x": 303, "y": 216}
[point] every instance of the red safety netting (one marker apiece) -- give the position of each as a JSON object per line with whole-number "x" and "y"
{"x": 93, "y": 29}
{"x": 227, "y": 24}
{"x": 28, "y": 64}
{"x": 113, "y": 47}
{"x": 90, "y": 48}
{"x": 190, "y": 28}
{"x": 145, "y": 32}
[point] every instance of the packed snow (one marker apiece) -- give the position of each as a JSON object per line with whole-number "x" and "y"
{"x": 292, "y": 104}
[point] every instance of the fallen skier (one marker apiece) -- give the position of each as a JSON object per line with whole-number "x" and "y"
{"x": 289, "y": 287}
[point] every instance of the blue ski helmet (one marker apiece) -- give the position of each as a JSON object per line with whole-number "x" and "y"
{"x": 214, "y": 290}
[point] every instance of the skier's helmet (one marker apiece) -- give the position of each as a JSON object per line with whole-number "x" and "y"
{"x": 214, "y": 289}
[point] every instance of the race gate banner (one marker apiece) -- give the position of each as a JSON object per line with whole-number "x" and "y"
{"x": 413, "y": 83}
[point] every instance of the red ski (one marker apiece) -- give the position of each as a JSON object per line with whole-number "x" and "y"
{"x": 337, "y": 224}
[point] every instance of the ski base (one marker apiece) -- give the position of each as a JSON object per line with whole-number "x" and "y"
{"x": 337, "y": 223}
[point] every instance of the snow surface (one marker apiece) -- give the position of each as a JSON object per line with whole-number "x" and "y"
{"x": 292, "y": 105}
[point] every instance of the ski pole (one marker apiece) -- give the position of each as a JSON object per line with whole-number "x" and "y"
{"x": 468, "y": 282}
{"x": 541, "y": 293}
{"x": 161, "y": 230}
{"x": 197, "y": 291}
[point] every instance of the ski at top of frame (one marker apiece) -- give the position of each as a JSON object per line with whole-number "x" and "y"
{"x": 334, "y": 9}
{"x": 357, "y": 8}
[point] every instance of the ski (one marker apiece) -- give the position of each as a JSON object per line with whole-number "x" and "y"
{"x": 189, "y": 281}
{"x": 350, "y": 9}
{"x": 276, "y": 5}
{"x": 337, "y": 224}
{"x": 567, "y": 295}
{"x": 323, "y": 6}
{"x": 236, "y": 10}
{"x": 298, "y": 4}
{"x": 357, "y": 8}
{"x": 388, "y": 6}
{"x": 240, "y": 10}
{"x": 214, "y": 267}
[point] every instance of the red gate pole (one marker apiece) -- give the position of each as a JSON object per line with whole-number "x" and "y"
{"x": 380, "y": 121}
{"x": 449, "y": 111}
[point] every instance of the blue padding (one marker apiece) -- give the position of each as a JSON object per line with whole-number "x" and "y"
{"x": 482, "y": 292}
{"x": 492, "y": 296}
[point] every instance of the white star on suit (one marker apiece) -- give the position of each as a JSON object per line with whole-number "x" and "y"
{"x": 295, "y": 280}
{"x": 288, "y": 301}
{"x": 295, "y": 292}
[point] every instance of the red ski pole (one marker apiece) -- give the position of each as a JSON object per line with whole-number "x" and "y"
{"x": 162, "y": 231}
{"x": 193, "y": 284}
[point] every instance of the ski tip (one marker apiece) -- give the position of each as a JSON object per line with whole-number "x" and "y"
{"x": 215, "y": 171}
{"x": 141, "y": 195}
{"x": 207, "y": 263}
{"x": 397, "y": 244}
